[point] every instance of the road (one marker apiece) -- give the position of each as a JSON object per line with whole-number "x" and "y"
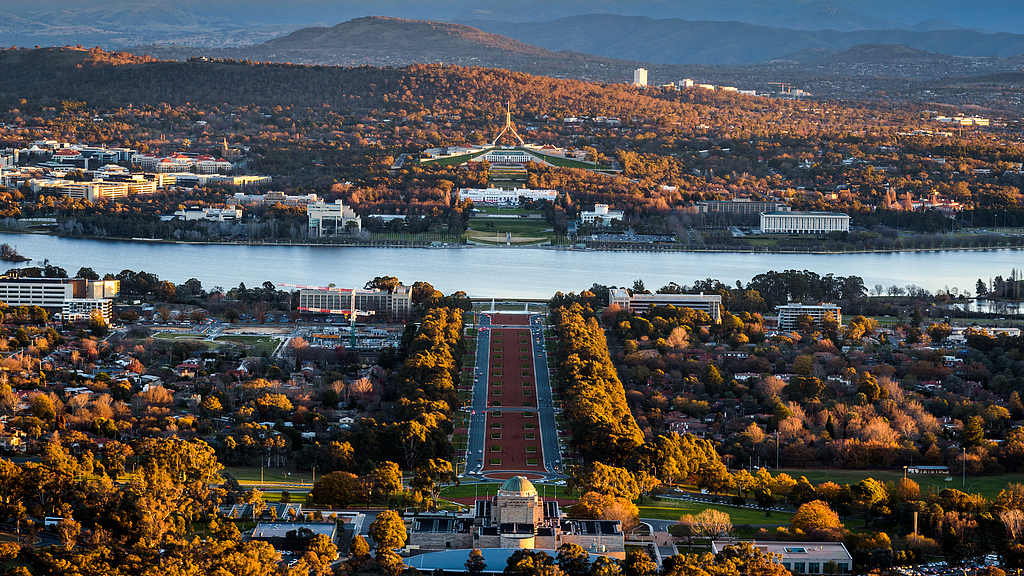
{"x": 545, "y": 404}
{"x": 658, "y": 525}
{"x": 478, "y": 406}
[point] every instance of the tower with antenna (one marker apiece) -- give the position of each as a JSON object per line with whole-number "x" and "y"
{"x": 509, "y": 127}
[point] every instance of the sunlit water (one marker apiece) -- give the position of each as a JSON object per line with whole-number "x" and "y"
{"x": 497, "y": 271}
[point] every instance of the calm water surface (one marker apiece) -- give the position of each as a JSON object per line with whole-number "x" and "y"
{"x": 497, "y": 271}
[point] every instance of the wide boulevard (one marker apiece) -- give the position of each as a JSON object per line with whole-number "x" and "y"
{"x": 488, "y": 327}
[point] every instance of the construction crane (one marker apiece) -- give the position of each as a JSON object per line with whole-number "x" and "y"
{"x": 784, "y": 87}
{"x": 351, "y": 312}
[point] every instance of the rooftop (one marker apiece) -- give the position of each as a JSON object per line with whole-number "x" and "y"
{"x": 520, "y": 485}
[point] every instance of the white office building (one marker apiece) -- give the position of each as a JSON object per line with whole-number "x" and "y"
{"x": 230, "y": 213}
{"x": 501, "y": 196}
{"x": 80, "y": 309}
{"x": 804, "y": 222}
{"x": 396, "y": 304}
{"x": 600, "y": 215}
{"x": 790, "y": 313}
{"x": 640, "y": 303}
{"x": 331, "y": 219}
{"x": 43, "y": 292}
{"x": 640, "y": 77}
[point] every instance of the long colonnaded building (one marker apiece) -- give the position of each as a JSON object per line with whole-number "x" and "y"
{"x": 639, "y": 303}
{"x": 742, "y": 206}
{"x": 502, "y": 196}
{"x": 804, "y": 222}
{"x": 516, "y": 518}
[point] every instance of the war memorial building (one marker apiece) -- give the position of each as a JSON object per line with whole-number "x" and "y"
{"x": 516, "y": 518}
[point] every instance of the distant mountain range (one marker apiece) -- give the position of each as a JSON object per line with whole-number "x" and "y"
{"x": 674, "y": 41}
{"x": 221, "y": 23}
{"x": 378, "y": 41}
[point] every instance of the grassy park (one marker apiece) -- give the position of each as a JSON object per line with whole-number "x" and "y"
{"x": 262, "y": 344}
{"x": 988, "y": 486}
{"x": 483, "y": 229}
{"x": 673, "y": 509}
{"x": 270, "y": 475}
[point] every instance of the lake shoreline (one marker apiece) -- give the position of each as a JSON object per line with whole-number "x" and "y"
{"x": 492, "y": 271}
{"x": 568, "y": 248}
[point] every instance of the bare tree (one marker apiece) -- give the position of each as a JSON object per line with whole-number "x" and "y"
{"x": 713, "y": 523}
{"x": 688, "y": 529}
{"x": 1014, "y": 522}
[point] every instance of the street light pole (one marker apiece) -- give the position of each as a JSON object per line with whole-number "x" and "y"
{"x": 776, "y": 451}
{"x": 964, "y": 468}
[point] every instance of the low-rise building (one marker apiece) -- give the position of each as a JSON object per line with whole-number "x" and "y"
{"x": 94, "y": 191}
{"x": 800, "y": 557}
{"x": 959, "y": 333}
{"x": 331, "y": 219}
{"x": 502, "y": 196}
{"x": 933, "y": 470}
{"x": 742, "y": 206}
{"x": 804, "y": 222}
{"x": 293, "y": 535}
{"x": 601, "y": 215}
{"x": 508, "y": 156}
{"x": 396, "y": 304}
{"x": 639, "y": 303}
{"x": 51, "y": 293}
{"x": 791, "y": 313}
{"x": 79, "y": 309}
{"x": 229, "y": 213}
{"x": 202, "y": 180}
{"x": 270, "y": 199}
{"x": 43, "y": 292}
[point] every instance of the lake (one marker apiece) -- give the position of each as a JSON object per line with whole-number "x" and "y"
{"x": 496, "y": 271}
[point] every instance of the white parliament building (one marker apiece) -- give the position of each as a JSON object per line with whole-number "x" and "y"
{"x": 502, "y": 196}
{"x": 804, "y": 222}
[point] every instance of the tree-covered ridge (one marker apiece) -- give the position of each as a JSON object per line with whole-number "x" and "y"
{"x": 470, "y": 92}
{"x": 342, "y": 132}
{"x": 593, "y": 399}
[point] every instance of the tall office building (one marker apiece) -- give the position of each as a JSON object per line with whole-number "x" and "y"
{"x": 640, "y": 77}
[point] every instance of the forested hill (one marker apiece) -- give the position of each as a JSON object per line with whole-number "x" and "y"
{"x": 396, "y": 35}
{"x": 53, "y": 75}
{"x": 379, "y": 41}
